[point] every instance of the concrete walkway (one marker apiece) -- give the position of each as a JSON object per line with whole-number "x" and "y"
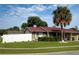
{"x": 39, "y": 47}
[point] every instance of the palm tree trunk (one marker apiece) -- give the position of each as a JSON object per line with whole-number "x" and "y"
{"x": 62, "y": 32}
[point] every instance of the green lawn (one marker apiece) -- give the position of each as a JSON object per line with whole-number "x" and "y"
{"x": 27, "y": 51}
{"x": 36, "y": 44}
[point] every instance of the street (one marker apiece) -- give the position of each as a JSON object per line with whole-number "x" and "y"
{"x": 59, "y": 53}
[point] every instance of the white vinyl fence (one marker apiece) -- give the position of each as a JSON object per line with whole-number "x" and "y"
{"x": 17, "y": 37}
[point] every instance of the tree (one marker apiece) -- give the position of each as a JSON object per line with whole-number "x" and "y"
{"x": 24, "y": 25}
{"x": 32, "y": 20}
{"x": 75, "y": 28}
{"x": 3, "y": 31}
{"x": 16, "y": 28}
{"x": 35, "y": 20}
{"x": 10, "y": 28}
{"x": 62, "y": 16}
{"x": 42, "y": 23}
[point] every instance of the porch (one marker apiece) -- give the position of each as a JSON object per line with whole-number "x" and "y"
{"x": 66, "y": 36}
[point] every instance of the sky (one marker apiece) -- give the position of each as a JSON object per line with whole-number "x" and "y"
{"x": 16, "y": 14}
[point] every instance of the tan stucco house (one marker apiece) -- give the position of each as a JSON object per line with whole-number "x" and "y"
{"x": 33, "y": 33}
{"x": 69, "y": 34}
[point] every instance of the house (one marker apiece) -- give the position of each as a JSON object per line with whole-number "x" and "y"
{"x": 32, "y": 34}
{"x": 69, "y": 34}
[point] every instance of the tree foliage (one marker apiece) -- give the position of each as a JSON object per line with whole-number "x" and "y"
{"x": 14, "y": 28}
{"x": 62, "y": 16}
{"x": 24, "y": 25}
{"x": 3, "y": 31}
{"x": 35, "y": 20}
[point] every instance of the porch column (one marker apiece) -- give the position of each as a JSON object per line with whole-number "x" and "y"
{"x": 76, "y": 38}
{"x": 36, "y": 37}
{"x": 48, "y": 34}
{"x": 56, "y": 34}
{"x": 70, "y": 36}
{"x": 33, "y": 36}
{"x": 64, "y": 36}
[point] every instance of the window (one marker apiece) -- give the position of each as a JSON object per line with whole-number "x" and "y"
{"x": 40, "y": 34}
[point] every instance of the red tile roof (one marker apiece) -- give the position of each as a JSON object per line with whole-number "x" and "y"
{"x": 49, "y": 29}
{"x": 69, "y": 31}
{"x": 36, "y": 29}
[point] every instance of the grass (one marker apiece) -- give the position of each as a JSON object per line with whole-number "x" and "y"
{"x": 36, "y": 44}
{"x": 27, "y": 51}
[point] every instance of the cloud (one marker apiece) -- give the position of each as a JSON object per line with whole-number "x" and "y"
{"x": 48, "y": 19}
{"x": 67, "y": 5}
{"x": 22, "y": 12}
{"x": 55, "y": 5}
{"x": 39, "y": 7}
{"x": 16, "y": 15}
{"x": 25, "y": 12}
{"x": 36, "y": 8}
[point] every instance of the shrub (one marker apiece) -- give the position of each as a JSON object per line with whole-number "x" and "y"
{"x": 48, "y": 39}
{"x": 1, "y": 39}
{"x": 57, "y": 38}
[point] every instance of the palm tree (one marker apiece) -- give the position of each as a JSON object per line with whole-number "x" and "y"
{"x": 62, "y": 17}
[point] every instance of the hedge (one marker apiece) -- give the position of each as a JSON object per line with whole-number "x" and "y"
{"x": 48, "y": 39}
{"x": 1, "y": 39}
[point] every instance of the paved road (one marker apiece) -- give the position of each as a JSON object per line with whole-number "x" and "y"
{"x": 60, "y": 53}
